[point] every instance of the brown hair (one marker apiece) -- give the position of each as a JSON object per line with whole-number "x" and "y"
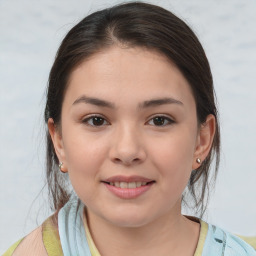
{"x": 143, "y": 25}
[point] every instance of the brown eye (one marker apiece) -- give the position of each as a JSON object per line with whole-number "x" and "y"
{"x": 160, "y": 121}
{"x": 95, "y": 121}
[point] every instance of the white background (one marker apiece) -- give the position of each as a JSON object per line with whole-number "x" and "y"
{"x": 30, "y": 33}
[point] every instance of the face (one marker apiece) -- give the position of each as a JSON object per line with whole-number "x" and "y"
{"x": 129, "y": 135}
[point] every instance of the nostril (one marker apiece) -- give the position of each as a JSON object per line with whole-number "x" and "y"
{"x": 126, "y": 161}
{"x": 117, "y": 160}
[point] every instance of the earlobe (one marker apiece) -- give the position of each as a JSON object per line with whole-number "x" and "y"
{"x": 204, "y": 141}
{"x": 56, "y": 139}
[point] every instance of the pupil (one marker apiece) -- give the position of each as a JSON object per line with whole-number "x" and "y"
{"x": 98, "y": 121}
{"x": 158, "y": 120}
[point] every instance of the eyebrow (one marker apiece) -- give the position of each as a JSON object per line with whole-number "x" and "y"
{"x": 146, "y": 104}
{"x": 94, "y": 101}
{"x": 159, "y": 102}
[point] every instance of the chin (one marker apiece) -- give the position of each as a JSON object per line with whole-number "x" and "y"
{"x": 129, "y": 218}
{"x": 129, "y": 222}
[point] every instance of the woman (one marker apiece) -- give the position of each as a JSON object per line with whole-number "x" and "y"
{"x": 132, "y": 120}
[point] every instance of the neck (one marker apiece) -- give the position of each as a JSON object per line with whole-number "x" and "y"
{"x": 169, "y": 233}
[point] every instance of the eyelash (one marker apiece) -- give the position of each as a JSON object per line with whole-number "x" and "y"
{"x": 168, "y": 119}
{"x": 90, "y": 118}
{"x": 86, "y": 120}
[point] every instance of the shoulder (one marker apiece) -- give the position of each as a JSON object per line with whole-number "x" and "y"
{"x": 44, "y": 240}
{"x": 32, "y": 244}
{"x": 220, "y": 242}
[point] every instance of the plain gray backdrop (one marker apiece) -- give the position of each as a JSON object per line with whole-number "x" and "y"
{"x": 30, "y": 33}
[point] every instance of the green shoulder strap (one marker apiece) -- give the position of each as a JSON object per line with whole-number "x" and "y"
{"x": 51, "y": 237}
{"x": 251, "y": 240}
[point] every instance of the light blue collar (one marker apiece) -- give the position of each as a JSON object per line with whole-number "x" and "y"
{"x": 71, "y": 229}
{"x": 221, "y": 243}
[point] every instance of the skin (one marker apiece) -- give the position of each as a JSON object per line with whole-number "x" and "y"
{"x": 129, "y": 142}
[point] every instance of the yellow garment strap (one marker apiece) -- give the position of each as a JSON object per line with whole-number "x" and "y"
{"x": 51, "y": 237}
{"x": 202, "y": 237}
{"x": 93, "y": 249}
{"x": 251, "y": 240}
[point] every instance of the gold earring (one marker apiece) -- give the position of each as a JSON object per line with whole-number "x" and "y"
{"x": 61, "y": 167}
{"x": 198, "y": 160}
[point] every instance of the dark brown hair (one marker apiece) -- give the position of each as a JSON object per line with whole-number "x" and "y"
{"x": 143, "y": 25}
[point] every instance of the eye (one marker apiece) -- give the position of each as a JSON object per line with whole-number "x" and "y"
{"x": 95, "y": 121}
{"x": 160, "y": 121}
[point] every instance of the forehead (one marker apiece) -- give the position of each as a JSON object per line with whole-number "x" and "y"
{"x": 135, "y": 73}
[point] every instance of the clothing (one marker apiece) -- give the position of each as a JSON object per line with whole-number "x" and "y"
{"x": 71, "y": 236}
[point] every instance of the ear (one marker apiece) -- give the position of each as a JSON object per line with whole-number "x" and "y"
{"x": 204, "y": 140}
{"x": 56, "y": 140}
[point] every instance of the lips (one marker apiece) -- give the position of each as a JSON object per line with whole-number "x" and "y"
{"x": 128, "y": 187}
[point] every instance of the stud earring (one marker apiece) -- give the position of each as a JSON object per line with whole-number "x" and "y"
{"x": 61, "y": 167}
{"x": 198, "y": 160}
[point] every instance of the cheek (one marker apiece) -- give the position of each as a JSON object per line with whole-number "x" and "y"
{"x": 82, "y": 147}
{"x": 175, "y": 151}
{"x": 84, "y": 157}
{"x": 173, "y": 159}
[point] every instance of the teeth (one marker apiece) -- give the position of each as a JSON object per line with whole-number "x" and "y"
{"x": 138, "y": 184}
{"x": 132, "y": 185}
{"x": 122, "y": 184}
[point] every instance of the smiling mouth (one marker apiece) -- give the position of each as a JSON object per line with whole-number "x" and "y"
{"x": 128, "y": 185}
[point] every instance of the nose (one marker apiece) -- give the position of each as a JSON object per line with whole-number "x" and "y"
{"x": 127, "y": 146}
